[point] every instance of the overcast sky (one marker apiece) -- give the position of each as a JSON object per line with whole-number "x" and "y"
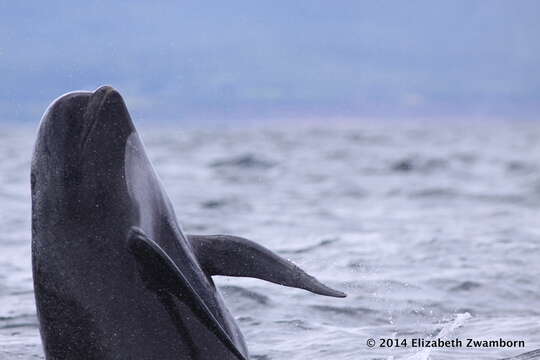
{"x": 179, "y": 60}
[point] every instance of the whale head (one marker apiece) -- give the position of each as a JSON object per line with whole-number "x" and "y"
{"x": 85, "y": 125}
{"x": 80, "y": 149}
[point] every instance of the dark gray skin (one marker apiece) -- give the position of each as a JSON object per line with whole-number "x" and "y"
{"x": 114, "y": 275}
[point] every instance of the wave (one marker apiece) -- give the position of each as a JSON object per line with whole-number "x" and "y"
{"x": 245, "y": 161}
{"x": 237, "y": 291}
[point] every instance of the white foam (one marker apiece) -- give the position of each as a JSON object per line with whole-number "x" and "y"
{"x": 445, "y": 332}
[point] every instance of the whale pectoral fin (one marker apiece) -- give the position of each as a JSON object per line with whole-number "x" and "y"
{"x": 161, "y": 274}
{"x": 236, "y": 256}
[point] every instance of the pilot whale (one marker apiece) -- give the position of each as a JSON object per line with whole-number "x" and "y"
{"x": 115, "y": 277}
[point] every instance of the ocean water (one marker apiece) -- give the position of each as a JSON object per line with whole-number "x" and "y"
{"x": 433, "y": 230}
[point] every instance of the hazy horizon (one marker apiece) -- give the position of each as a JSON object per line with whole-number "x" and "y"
{"x": 259, "y": 60}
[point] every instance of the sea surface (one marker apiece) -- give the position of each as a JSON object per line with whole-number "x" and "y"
{"x": 431, "y": 228}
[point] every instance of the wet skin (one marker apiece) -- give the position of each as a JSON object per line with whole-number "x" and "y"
{"x": 114, "y": 275}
